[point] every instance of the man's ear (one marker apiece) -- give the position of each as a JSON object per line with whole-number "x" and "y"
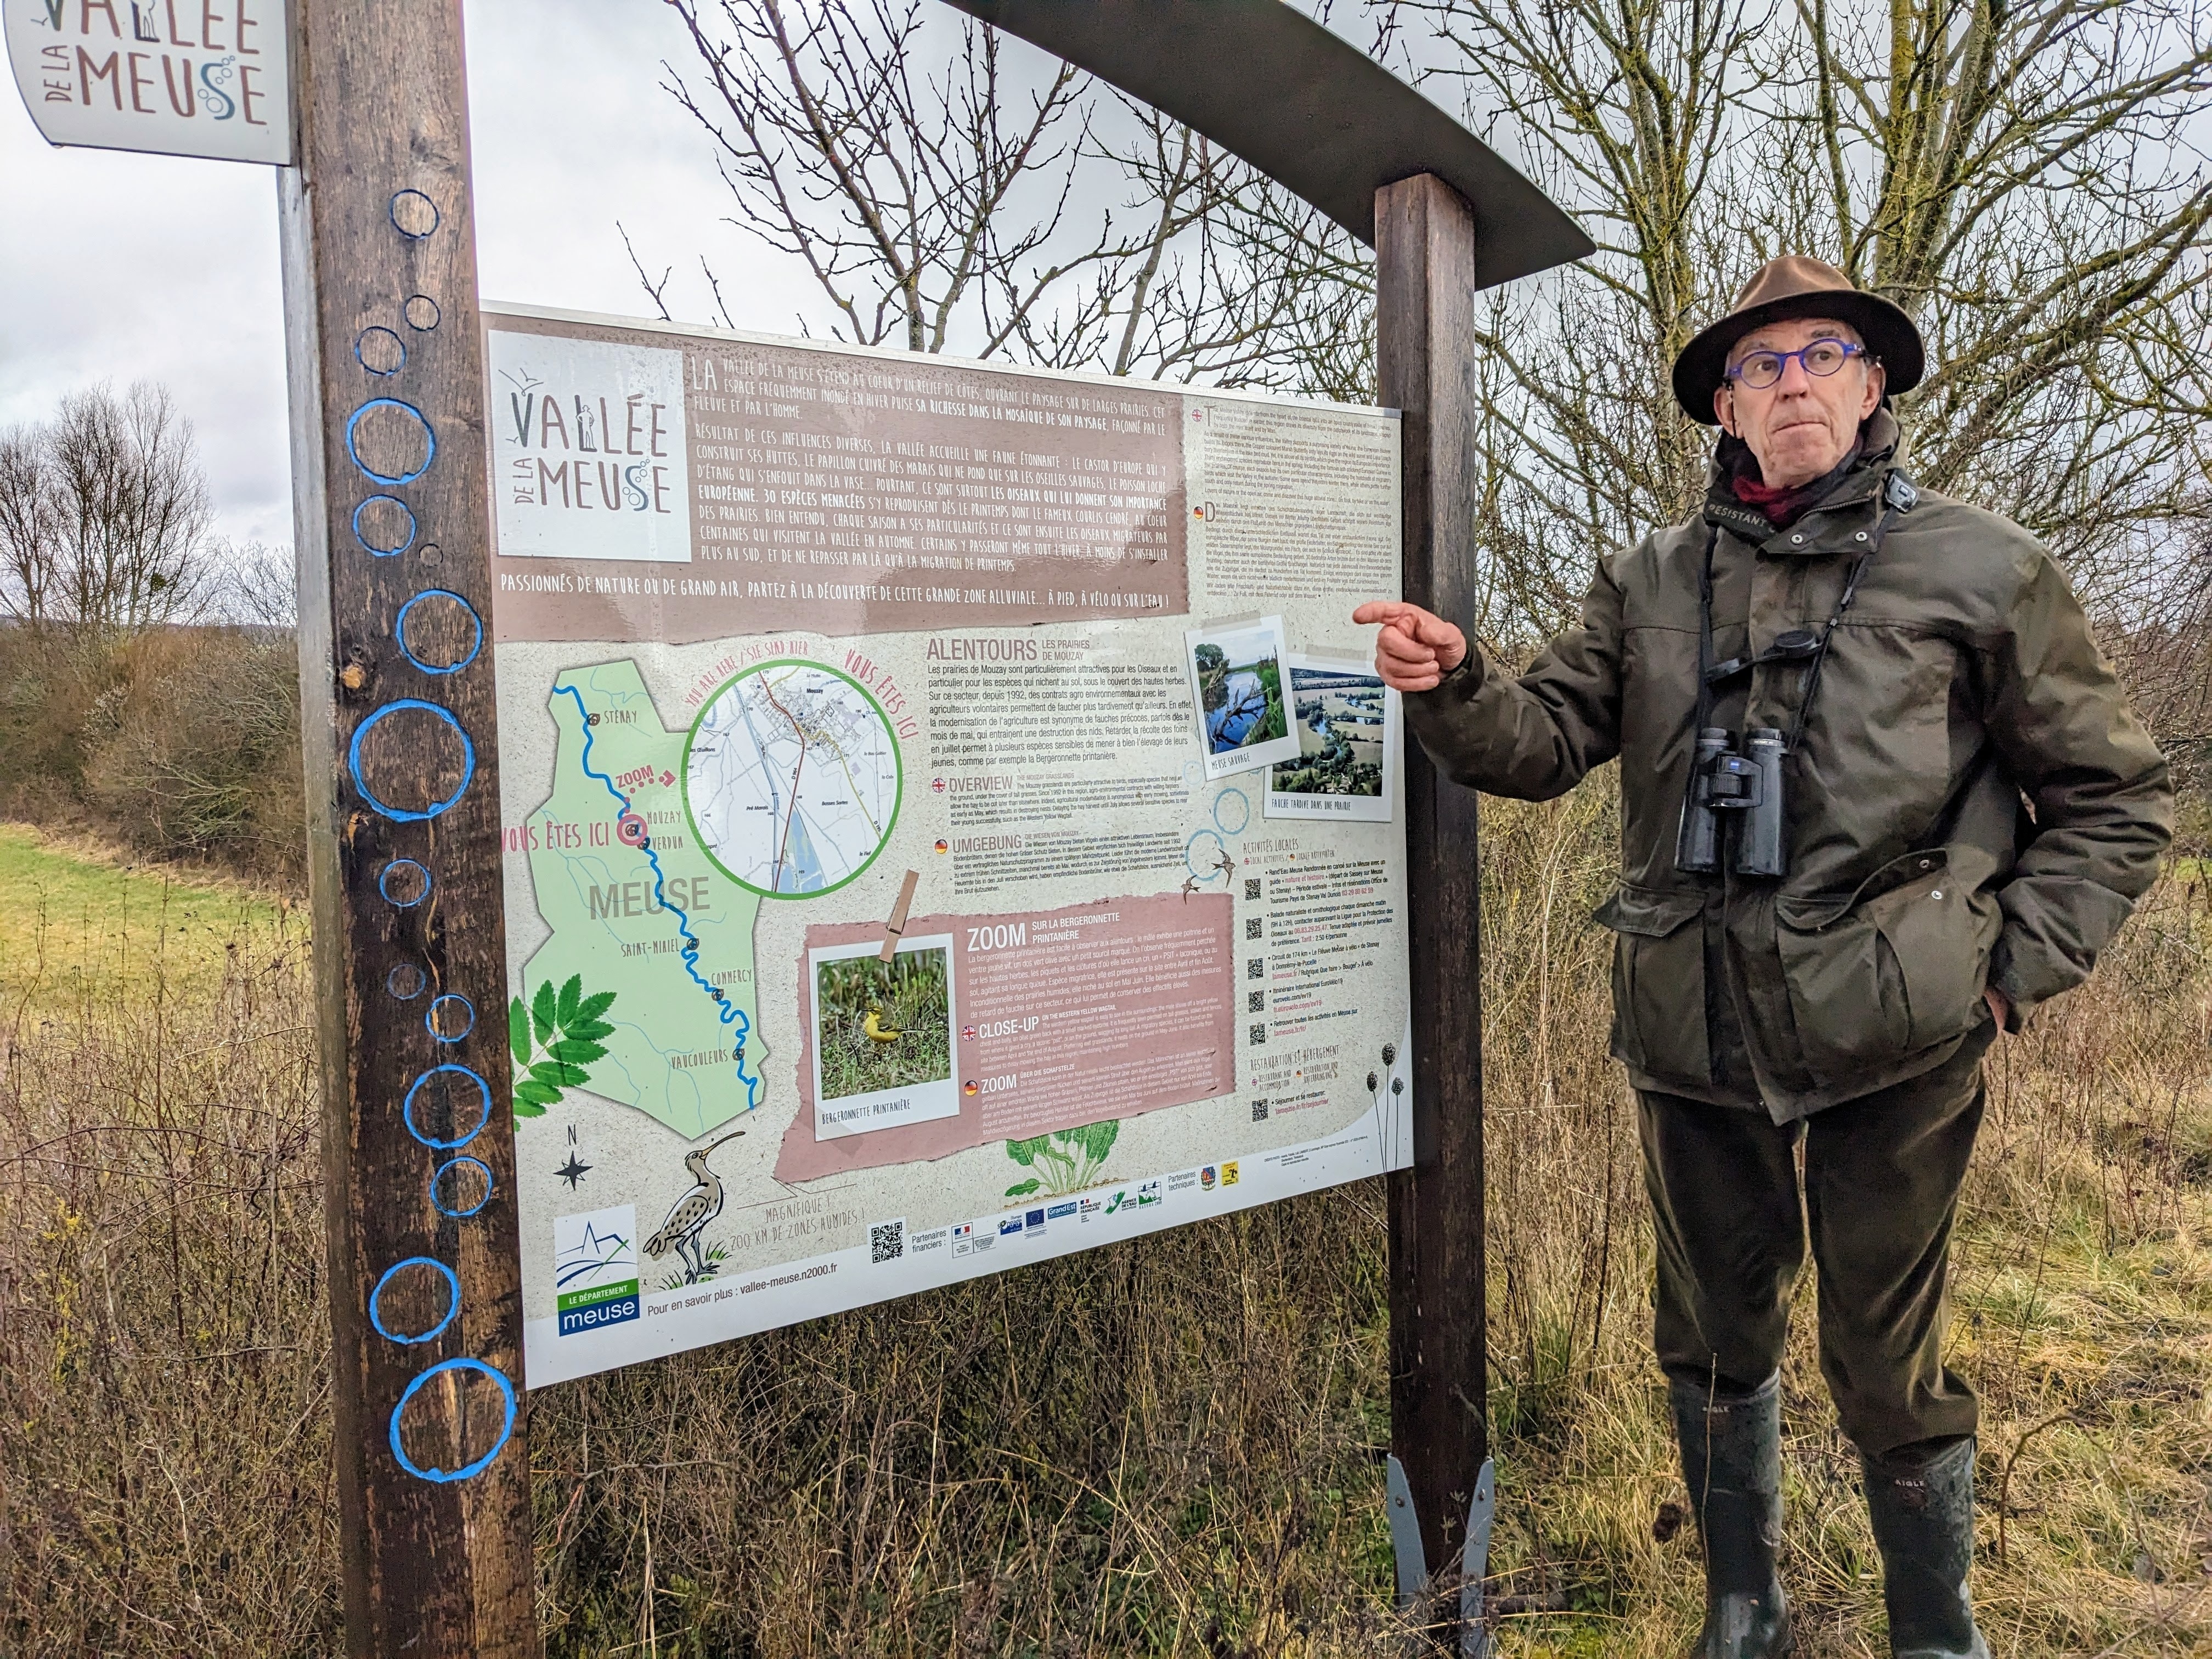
{"x": 1724, "y": 408}
{"x": 1877, "y": 381}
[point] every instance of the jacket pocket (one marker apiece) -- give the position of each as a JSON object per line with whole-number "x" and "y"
{"x": 1659, "y": 981}
{"x": 1893, "y": 967}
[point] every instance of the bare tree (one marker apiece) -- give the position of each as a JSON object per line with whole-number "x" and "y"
{"x": 1626, "y": 109}
{"x": 28, "y": 532}
{"x": 2017, "y": 176}
{"x": 988, "y": 207}
{"x": 2020, "y": 180}
{"x": 257, "y": 585}
{"x": 104, "y": 514}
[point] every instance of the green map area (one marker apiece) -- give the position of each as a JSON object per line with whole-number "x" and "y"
{"x": 636, "y": 909}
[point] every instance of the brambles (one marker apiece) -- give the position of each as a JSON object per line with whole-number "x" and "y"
{"x": 149, "y": 674}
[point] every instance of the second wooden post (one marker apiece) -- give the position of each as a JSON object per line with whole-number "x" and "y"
{"x": 1425, "y": 242}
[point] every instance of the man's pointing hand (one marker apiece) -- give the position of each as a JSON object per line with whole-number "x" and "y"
{"x": 1416, "y": 648}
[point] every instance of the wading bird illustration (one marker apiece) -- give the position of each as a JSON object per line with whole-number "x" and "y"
{"x": 689, "y": 1216}
{"x": 876, "y": 1030}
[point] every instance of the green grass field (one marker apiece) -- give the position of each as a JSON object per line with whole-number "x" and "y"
{"x": 81, "y": 926}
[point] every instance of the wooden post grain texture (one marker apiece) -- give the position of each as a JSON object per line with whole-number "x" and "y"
{"x": 403, "y": 807}
{"x": 1425, "y": 351}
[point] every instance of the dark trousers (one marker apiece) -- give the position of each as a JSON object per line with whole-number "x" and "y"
{"x": 1881, "y": 1189}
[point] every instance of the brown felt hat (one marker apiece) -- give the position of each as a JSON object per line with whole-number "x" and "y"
{"x": 1795, "y": 286}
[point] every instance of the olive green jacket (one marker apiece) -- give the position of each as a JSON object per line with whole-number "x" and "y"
{"x": 1973, "y": 802}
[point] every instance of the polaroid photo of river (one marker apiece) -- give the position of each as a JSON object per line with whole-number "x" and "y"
{"x": 1241, "y": 692}
{"x": 883, "y": 1036}
{"x": 1347, "y": 723}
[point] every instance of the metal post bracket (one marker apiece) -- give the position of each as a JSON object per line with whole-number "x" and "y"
{"x": 1474, "y": 1555}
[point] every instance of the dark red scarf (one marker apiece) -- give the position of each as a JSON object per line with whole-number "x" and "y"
{"x": 1783, "y": 508}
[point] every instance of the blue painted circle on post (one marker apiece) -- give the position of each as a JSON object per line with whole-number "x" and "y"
{"x": 452, "y": 1299}
{"x": 430, "y": 440}
{"x": 405, "y": 973}
{"x": 439, "y": 1173}
{"x": 399, "y": 629}
{"x": 1242, "y": 813}
{"x": 363, "y": 340}
{"x": 468, "y": 1017}
{"x": 406, "y": 199}
{"x": 468, "y": 1470}
{"x": 370, "y": 547}
{"x": 403, "y": 815}
{"x": 384, "y": 886}
{"x": 407, "y": 1111}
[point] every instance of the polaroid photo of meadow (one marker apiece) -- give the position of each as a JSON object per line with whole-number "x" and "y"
{"x": 1346, "y": 722}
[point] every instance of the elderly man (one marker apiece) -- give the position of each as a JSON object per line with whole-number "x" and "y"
{"x": 1881, "y": 798}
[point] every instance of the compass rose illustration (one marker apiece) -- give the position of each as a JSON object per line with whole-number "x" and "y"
{"x": 575, "y": 1169}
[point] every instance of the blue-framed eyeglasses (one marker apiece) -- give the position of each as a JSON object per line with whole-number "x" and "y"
{"x": 1762, "y": 369}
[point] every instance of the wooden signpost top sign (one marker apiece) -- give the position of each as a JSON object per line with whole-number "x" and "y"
{"x": 176, "y": 77}
{"x": 385, "y": 343}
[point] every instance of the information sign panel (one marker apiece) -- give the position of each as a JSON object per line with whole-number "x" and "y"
{"x": 175, "y": 77}
{"x": 948, "y": 821}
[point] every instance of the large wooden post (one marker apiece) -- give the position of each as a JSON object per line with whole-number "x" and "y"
{"x": 403, "y": 807}
{"x": 1425, "y": 245}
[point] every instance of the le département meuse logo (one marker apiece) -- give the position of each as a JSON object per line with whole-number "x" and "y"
{"x": 595, "y": 1268}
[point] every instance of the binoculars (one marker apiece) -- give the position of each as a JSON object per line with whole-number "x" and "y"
{"x": 1745, "y": 786}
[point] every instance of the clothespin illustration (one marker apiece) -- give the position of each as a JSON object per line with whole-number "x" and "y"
{"x": 896, "y": 925}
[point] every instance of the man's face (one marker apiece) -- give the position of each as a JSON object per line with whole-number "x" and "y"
{"x": 1803, "y": 424}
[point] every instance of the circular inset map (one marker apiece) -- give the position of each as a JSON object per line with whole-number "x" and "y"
{"x": 790, "y": 779}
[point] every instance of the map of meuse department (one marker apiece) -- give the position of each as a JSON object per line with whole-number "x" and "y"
{"x": 652, "y": 854}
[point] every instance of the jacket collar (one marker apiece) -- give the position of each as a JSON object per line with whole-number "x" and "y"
{"x": 1856, "y": 488}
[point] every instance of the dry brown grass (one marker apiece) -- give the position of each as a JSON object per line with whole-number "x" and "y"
{"x": 1162, "y": 1447}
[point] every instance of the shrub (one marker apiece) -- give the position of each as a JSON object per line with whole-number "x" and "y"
{"x": 182, "y": 741}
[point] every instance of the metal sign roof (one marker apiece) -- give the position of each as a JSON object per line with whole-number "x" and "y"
{"x": 1312, "y": 112}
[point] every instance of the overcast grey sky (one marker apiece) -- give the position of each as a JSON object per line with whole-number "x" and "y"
{"x": 120, "y": 267}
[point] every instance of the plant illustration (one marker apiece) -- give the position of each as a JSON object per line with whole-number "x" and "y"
{"x": 710, "y": 1263}
{"x": 1067, "y": 1160}
{"x": 568, "y": 1028}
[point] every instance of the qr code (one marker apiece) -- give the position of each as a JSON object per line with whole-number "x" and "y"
{"x": 887, "y": 1241}
{"x": 1252, "y": 924}
{"x": 1257, "y": 968}
{"x": 1251, "y": 887}
{"x": 1259, "y": 1111}
{"x": 1255, "y": 1002}
{"x": 1259, "y": 1034}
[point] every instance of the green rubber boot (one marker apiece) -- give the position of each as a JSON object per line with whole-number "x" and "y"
{"x": 1923, "y": 1520}
{"x": 1732, "y": 1460}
